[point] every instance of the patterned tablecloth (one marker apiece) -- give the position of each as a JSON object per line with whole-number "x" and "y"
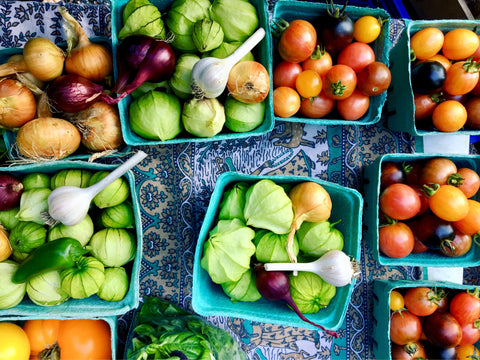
{"x": 175, "y": 183}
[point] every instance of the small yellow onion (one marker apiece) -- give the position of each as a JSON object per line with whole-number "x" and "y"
{"x": 89, "y": 60}
{"x": 17, "y": 104}
{"x": 100, "y": 127}
{"x": 312, "y": 203}
{"x": 5, "y": 247}
{"x": 48, "y": 139}
{"x": 43, "y": 58}
{"x": 249, "y": 82}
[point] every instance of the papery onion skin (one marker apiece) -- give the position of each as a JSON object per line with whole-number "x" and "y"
{"x": 48, "y": 139}
{"x": 17, "y": 104}
{"x": 249, "y": 82}
{"x": 93, "y": 62}
{"x": 43, "y": 58}
{"x": 11, "y": 189}
{"x": 100, "y": 127}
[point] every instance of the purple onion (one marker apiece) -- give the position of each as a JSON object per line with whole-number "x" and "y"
{"x": 10, "y": 191}
{"x": 72, "y": 93}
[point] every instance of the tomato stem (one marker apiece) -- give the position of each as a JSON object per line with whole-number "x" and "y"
{"x": 278, "y": 26}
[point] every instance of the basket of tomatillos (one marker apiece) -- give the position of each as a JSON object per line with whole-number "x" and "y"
{"x": 435, "y": 71}
{"x": 425, "y": 319}
{"x": 53, "y": 100}
{"x": 205, "y": 68}
{"x": 330, "y": 64}
{"x": 271, "y": 224}
{"x": 423, "y": 209}
{"x": 90, "y": 267}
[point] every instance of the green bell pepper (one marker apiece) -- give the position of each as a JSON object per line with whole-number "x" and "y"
{"x": 59, "y": 254}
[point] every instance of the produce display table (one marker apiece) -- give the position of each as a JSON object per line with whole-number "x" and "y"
{"x": 175, "y": 182}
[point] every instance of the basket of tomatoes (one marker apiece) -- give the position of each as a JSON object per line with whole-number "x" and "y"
{"x": 425, "y": 319}
{"x": 330, "y": 63}
{"x": 423, "y": 209}
{"x": 23, "y": 338}
{"x": 435, "y": 71}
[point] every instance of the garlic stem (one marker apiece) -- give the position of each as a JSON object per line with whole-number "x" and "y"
{"x": 243, "y": 49}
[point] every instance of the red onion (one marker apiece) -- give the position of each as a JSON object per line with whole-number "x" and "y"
{"x": 275, "y": 285}
{"x": 10, "y": 190}
{"x": 73, "y": 93}
{"x": 138, "y": 65}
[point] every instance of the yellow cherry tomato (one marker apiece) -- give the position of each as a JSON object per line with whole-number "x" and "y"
{"x": 467, "y": 352}
{"x": 14, "y": 344}
{"x": 396, "y": 301}
{"x": 367, "y": 29}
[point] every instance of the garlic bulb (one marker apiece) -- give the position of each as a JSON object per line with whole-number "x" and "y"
{"x": 335, "y": 267}
{"x": 209, "y": 75}
{"x": 70, "y": 204}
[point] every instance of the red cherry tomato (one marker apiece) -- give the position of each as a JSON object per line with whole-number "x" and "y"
{"x": 400, "y": 202}
{"x": 473, "y": 112}
{"x": 442, "y": 329}
{"x": 437, "y": 170}
{"x": 354, "y": 106}
{"x": 320, "y": 61}
{"x": 470, "y": 334}
{"x": 297, "y": 42}
{"x": 356, "y": 55}
{"x": 374, "y": 79}
{"x": 421, "y": 300}
{"x": 470, "y": 182}
{"x": 285, "y": 74}
{"x": 391, "y": 173}
{"x": 462, "y": 77}
{"x": 317, "y": 107}
{"x": 340, "y": 82}
{"x": 404, "y": 328}
{"x": 395, "y": 240}
{"x": 465, "y": 307}
{"x": 424, "y": 105}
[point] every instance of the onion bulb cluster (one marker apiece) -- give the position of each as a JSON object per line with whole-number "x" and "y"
{"x": 54, "y": 118}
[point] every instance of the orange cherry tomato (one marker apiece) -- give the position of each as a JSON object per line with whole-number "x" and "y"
{"x": 470, "y": 182}
{"x": 462, "y": 77}
{"x": 449, "y": 116}
{"x": 41, "y": 333}
{"x": 340, "y": 82}
{"x": 366, "y": 29}
{"x": 470, "y": 224}
{"x": 308, "y": 83}
{"x": 320, "y": 61}
{"x": 286, "y": 102}
{"x": 460, "y": 44}
{"x": 449, "y": 203}
{"x": 426, "y": 42}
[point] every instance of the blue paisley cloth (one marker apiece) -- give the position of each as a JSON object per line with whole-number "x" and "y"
{"x": 175, "y": 183}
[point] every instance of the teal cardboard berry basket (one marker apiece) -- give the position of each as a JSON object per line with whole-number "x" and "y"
{"x": 381, "y": 309}
{"x": 401, "y": 108}
{"x": 261, "y": 52}
{"x": 372, "y": 193}
{"x": 291, "y": 10}
{"x": 10, "y": 136}
{"x": 208, "y": 298}
{"x": 91, "y": 306}
{"x": 110, "y": 320}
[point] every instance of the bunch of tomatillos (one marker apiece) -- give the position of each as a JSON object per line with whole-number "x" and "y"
{"x": 190, "y": 70}
{"x": 51, "y": 264}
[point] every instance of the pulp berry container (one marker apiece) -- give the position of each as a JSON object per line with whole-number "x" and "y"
{"x": 381, "y": 309}
{"x": 401, "y": 108}
{"x": 110, "y": 320}
{"x": 10, "y": 137}
{"x": 290, "y": 10}
{"x": 93, "y": 305}
{"x": 261, "y": 53}
{"x": 372, "y": 194}
{"x": 208, "y": 298}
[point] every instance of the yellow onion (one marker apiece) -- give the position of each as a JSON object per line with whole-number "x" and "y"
{"x": 43, "y": 58}
{"x": 90, "y": 60}
{"x": 48, "y": 139}
{"x": 17, "y": 104}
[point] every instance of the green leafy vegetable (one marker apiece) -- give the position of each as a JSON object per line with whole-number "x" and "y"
{"x": 163, "y": 330}
{"x": 267, "y": 206}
